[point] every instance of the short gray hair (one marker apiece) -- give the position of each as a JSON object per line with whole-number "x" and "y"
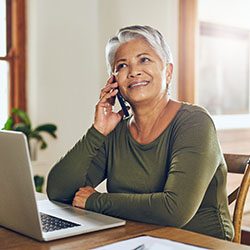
{"x": 151, "y": 35}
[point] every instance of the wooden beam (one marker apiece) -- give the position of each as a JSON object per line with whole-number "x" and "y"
{"x": 188, "y": 23}
{"x": 17, "y": 53}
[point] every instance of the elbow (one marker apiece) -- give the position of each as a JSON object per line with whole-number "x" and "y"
{"x": 50, "y": 189}
{"x": 57, "y": 192}
{"x": 56, "y": 195}
{"x": 172, "y": 213}
{"x": 176, "y": 219}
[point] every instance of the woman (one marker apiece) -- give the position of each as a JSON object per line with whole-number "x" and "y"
{"x": 163, "y": 164}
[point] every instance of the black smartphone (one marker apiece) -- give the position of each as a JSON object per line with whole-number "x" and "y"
{"x": 123, "y": 105}
{"x": 122, "y": 102}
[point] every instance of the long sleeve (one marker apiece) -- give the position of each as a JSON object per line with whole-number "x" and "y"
{"x": 83, "y": 165}
{"x": 192, "y": 153}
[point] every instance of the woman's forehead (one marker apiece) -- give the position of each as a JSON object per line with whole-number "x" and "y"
{"x": 134, "y": 47}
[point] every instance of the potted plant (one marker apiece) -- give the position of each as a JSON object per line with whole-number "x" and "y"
{"x": 20, "y": 121}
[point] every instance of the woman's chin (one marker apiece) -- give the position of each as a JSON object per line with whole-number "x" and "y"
{"x": 138, "y": 99}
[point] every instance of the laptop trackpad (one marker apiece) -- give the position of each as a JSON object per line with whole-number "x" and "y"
{"x": 72, "y": 214}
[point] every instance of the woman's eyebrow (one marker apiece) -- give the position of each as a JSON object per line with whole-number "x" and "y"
{"x": 143, "y": 54}
{"x": 139, "y": 55}
{"x": 121, "y": 60}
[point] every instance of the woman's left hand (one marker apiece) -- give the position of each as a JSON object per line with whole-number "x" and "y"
{"x": 82, "y": 195}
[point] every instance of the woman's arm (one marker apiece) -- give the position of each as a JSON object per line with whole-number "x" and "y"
{"x": 77, "y": 168}
{"x": 74, "y": 171}
{"x": 193, "y": 164}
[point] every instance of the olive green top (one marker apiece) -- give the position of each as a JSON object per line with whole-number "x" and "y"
{"x": 177, "y": 180}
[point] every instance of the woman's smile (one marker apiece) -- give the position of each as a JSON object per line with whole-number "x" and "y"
{"x": 136, "y": 84}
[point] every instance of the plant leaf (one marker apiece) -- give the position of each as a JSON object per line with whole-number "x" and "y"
{"x": 39, "y": 180}
{"x": 48, "y": 128}
{"x": 8, "y": 124}
{"x": 36, "y": 135}
{"x": 22, "y": 115}
{"x": 22, "y": 128}
{"x": 43, "y": 145}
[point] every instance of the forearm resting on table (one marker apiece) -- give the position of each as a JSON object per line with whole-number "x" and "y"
{"x": 155, "y": 208}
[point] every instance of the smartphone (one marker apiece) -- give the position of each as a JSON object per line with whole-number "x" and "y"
{"x": 122, "y": 102}
{"x": 123, "y": 105}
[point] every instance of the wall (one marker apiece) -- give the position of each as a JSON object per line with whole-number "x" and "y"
{"x": 62, "y": 68}
{"x": 66, "y": 66}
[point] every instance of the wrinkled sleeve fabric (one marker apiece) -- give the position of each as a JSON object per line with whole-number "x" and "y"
{"x": 192, "y": 166}
{"x": 83, "y": 165}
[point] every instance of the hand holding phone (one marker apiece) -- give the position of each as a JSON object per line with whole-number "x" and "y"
{"x": 105, "y": 118}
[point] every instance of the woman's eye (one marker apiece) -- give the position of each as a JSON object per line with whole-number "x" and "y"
{"x": 145, "y": 59}
{"x": 120, "y": 66}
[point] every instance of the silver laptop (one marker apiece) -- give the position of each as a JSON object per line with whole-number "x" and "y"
{"x": 20, "y": 211}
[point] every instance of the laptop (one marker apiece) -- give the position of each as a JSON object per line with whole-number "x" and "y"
{"x": 43, "y": 220}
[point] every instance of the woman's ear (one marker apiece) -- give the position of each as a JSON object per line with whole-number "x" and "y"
{"x": 169, "y": 72}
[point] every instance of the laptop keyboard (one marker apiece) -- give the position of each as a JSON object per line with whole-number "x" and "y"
{"x": 51, "y": 223}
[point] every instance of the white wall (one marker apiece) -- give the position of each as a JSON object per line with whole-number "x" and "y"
{"x": 63, "y": 68}
{"x": 66, "y": 66}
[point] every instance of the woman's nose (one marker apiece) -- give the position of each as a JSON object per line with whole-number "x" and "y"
{"x": 134, "y": 71}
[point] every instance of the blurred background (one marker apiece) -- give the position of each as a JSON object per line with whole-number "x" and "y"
{"x": 52, "y": 64}
{"x": 52, "y": 61}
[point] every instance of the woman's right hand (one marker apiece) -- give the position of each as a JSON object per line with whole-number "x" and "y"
{"x": 105, "y": 117}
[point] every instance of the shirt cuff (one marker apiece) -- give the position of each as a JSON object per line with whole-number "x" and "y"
{"x": 91, "y": 204}
{"x": 95, "y": 136}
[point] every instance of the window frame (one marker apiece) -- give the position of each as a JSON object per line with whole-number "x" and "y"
{"x": 188, "y": 26}
{"x": 16, "y": 52}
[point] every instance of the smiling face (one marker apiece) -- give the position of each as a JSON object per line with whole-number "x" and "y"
{"x": 140, "y": 72}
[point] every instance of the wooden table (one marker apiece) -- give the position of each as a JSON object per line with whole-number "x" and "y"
{"x": 196, "y": 239}
{"x": 12, "y": 240}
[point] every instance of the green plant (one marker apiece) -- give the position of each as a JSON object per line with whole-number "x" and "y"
{"x": 39, "y": 180}
{"x": 20, "y": 121}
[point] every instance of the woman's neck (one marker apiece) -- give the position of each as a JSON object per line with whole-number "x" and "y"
{"x": 147, "y": 119}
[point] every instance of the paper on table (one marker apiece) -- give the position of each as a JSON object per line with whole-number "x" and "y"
{"x": 150, "y": 243}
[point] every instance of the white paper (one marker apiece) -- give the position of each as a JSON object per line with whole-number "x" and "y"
{"x": 150, "y": 243}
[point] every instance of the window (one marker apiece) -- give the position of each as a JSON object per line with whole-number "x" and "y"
{"x": 12, "y": 57}
{"x": 223, "y": 61}
{"x": 214, "y": 40}
{"x": 223, "y": 77}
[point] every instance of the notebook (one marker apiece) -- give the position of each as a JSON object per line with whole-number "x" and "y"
{"x": 148, "y": 243}
{"x": 43, "y": 220}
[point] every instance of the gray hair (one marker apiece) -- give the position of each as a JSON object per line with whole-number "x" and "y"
{"x": 151, "y": 35}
